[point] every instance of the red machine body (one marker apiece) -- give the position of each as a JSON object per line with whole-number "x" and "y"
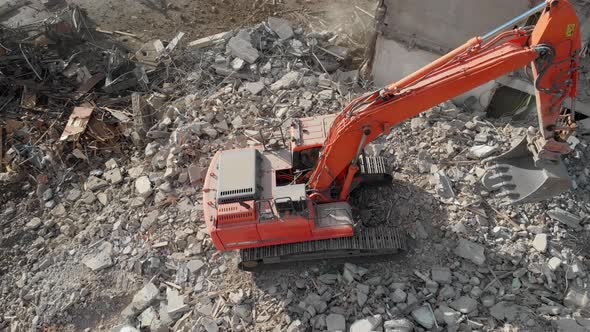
{"x": 257, "y": 197}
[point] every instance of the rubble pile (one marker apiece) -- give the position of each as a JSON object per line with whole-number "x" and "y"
{"x": 66, "y": 92}
{"x": 123, "y": 247}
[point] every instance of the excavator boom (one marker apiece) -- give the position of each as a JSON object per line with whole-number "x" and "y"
{"x": 552, "y": 48}
{"x": 289, "y": 203}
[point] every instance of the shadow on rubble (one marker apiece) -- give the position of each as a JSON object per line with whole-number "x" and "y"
{"x": 403, "y": 206}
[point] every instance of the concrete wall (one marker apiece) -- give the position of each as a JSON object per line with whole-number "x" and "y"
{"x": 393, "y": 60}
{"x": 445, "y": 24}
{"x": 415, "y": 32}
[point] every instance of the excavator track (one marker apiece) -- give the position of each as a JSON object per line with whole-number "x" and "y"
{"x": 378, "y": 241}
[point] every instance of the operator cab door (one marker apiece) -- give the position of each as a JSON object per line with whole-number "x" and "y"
{"x": 283, "y": 221}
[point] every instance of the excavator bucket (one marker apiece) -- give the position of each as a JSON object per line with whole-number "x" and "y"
{"x": 518, "y": 180}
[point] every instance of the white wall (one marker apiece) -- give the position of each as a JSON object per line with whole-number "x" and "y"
{"x": 394, "y": 61}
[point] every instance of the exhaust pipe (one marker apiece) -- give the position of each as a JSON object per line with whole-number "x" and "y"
{"x": 520, "y": 180}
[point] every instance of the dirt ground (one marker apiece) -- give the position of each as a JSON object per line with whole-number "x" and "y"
{"x": 149, "y": 19}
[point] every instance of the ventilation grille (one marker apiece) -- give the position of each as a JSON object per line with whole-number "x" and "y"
{"x": 236, "y": 212}
{"x": 237, "y": 195}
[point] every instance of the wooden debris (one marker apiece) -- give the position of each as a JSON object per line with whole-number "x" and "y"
{"x": 77, "y": 123}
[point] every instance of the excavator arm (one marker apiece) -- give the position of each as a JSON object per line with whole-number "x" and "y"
{"x": 552, "y": 48}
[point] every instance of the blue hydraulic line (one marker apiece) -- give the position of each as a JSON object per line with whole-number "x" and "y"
{"x": 524, "y": 15}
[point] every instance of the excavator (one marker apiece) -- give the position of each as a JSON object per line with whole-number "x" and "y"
{"x": 292, "y": 203}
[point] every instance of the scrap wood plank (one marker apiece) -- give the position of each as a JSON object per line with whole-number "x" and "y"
{"x": 77, "y": 123}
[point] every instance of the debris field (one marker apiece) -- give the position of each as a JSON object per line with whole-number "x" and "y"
{"x": 104, "y": 148}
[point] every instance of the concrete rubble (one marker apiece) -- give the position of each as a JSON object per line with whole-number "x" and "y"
{"x": 130, "y": 231}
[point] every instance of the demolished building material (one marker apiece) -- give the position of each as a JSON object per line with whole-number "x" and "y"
{"x": 155, "y": 263}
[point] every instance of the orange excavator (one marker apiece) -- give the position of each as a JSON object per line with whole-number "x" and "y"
{"x": 292, "y": 203}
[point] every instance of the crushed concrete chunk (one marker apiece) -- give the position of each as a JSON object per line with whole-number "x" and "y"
{"x": 367, "y": 324}
{"x": 143, "y": 186}
{"x": 444, "y": 187}
{"x": 398, "y": 325}
{"x": 114, "y": 176}
{"x": 209, "y": 324}
{"x": 148, "y": 317}
{"x": 141, "y": 300}
{"x": 507, "y": 311}
{"x": 34, "y": 223}
{"x": 93, "y": 183}
{"x": 242, "y": 48}
{"x": 567, "y": 325}
{"x": 100, "y": 260}
{"x": 441, "y": 275}
{"x": 577, "y": 297}
{"x": 554, "y": 263}
{"x": 281, "y": 27}
{"x": 482, "y": 151}
{"x": 471, "y": 251}
{"x": 176, "y": 305}
{"x": 288, "y": 81}
{"x": 328, "y": 279}
{"x": 195, "y": 265}
{"x": 336, "y": 322}
{"x": 124, "y": 328}
{"x": 540, "y": 242}
{"x": 464, "y": 304}
{"x": 424, "y": 317}
{"x": 254, "y": 87}
{"x": 566, "y": 218}
{"x": 399, "y": 296}
{"x": 450, "y": 316}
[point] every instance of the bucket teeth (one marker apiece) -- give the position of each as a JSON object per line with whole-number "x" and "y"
{"x": 505, "y": 185}
{"x": 515, "y": 178}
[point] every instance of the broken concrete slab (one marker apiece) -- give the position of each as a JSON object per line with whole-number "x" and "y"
{"x": 567, "y": 325}
{"x": 540, "y": 242}
{"x": 328, "y": 279}
{"x": 281, "y": 27}
{"x": 566, "y": 218}
{"x": 444, "y": 187}
{"x": 398, "y": 325}
{"x": 94, "y": 183}
{"x": 471, "y": 251}
{"x": 441, "y": 275}
{"x": 504, "y": 310}
{"x": 141, "y": 300}
{"x": 424, "y": 317}
{"x": 336, "y": 322}
{"x": 368, "y": 324}
{"x": 100, "y": 260}
{"x": 148, "y": 317}
{"x": 143, "y": 186}
{"x": 554, "y": 263}
{"x": 482, "y": 151}
{"x": 449, "y": 316}
{"x": 34, "y": 223}
{"x": 195, "y": 265}
{"x": 577, "y": 297}
{"x": 114, "y": 176}
{"x": 175, "y": 303}
{"x": 254, "y": 87}
{"x": 288, "y": 81}
{"x": 242, "y": 48}
{"x": 398, "y": 296}
{"x": 464, "y": 304}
